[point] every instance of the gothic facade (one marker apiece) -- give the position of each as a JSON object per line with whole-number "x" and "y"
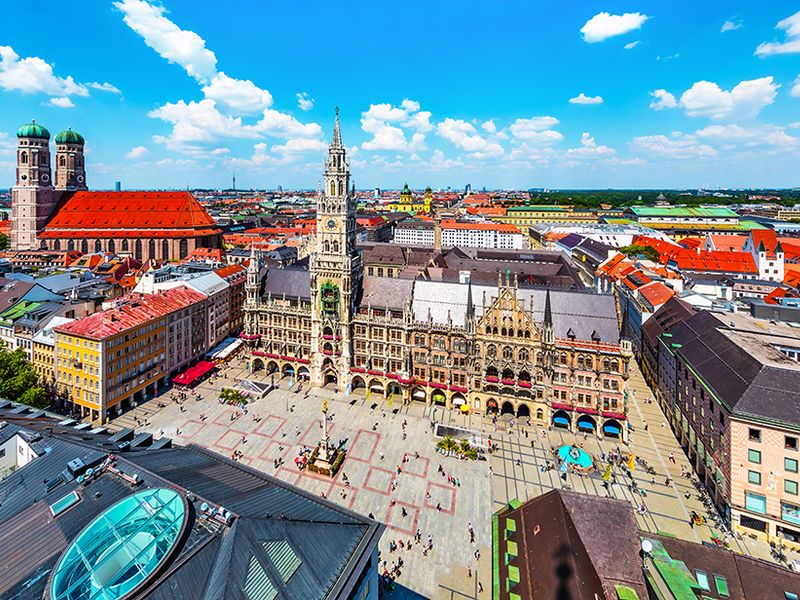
{"x": 553, "y": 356}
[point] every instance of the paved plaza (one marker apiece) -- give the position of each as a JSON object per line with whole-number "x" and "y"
{"x": 388, "y": 481}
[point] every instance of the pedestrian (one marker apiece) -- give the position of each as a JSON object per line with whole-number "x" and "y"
{"x": 672, "y": 458}
{"x": 480, "y": 587}
{"x": 469, "y": 571}
{"x": 403, "y": 511}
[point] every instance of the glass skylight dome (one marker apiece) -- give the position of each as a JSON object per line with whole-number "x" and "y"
{"x": 121, "y": 548}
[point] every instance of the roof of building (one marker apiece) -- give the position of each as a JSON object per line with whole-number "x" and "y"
{"x": 47, "y": 334}
{"x": 291, "y": 282}
{"x": 70, "y": 137}
{"x": 584, "y": 313}
{"x": 670, "y": 313}
{"x": 265, "y": 538}
{"x": 683, "y": 211}
{"x": 136, "y": 310}
{"x": 570, "y": 544}
{"x": 130, "y": 214}
{"x": 656, "y": 293}
{"x": 735, "y": 356}
{"x": 386, "y": 292}
{"x": 33, "y": 130}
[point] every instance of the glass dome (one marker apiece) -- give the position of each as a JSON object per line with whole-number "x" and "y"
{"x": 121, "y": 548}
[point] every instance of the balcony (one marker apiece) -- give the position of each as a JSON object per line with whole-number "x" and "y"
{"x": 491, "y": 379}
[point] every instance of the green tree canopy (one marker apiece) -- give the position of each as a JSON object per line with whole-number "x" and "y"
{"x": 19, "y": 382}
{"x": 635, "y": 250}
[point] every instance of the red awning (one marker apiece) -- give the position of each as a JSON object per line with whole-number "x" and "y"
{"x": 190, "y": 375}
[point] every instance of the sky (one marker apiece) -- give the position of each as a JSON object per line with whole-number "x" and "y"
{"x": 512, "y": 94}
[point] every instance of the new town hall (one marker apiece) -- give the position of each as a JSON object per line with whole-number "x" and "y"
{"x": 554, "y": 356}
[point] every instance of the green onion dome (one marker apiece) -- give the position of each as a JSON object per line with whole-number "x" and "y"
{"x": 70, "y": 137}
{"x": 33, "y": 130}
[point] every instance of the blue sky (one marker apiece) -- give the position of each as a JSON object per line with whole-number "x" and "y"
{"x": 507, "y": 94}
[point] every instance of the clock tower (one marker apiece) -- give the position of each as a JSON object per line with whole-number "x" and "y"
{"x": 336, "y": 271}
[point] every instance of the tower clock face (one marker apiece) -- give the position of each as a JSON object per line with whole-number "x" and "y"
{"x": 331, "y": 224}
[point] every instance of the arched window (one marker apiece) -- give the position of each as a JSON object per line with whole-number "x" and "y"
{"x": 523, "y": 355}
{"x": 151, "y": 250}
{"x": 125, "y": 245}
{"x": 580, "y": 361}
{"x": 539, "y": 414}
{"x": 184, "y": 249}
{"x": 614, "y": 366}
{"x": 326, "y": 246}
{"x": 491, "y": 351}
{"x": 504, "y": 332}
{"x": 137, "y": 253}
{"x": 563, "y": 358}
{"x": 85, "y": 246}
{"x": 606, "y": 365}
{"x": 112, "y": 246}
{"x": 62, "y": 161}
{"x": 508, "y": 353}
{"x": 56, "y": 244}
{"x": 98, "y": 246}
{"x": 333, "y": 188}
{"x": 71, "y": 245}
{"x": 164, "y": 250}
{"x": 335, "y": 246}
{"x": 23, "y": 158}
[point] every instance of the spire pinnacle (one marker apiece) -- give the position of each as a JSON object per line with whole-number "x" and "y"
{"x": 337, "y": 136}
{"x": 548, "y": 315}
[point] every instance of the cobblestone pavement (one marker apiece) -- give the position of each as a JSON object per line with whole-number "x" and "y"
{"x": 376, "y": 449}
{"x": 373, "y": 434}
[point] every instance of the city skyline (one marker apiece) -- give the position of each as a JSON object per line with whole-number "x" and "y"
{"x": 709, "y": 100}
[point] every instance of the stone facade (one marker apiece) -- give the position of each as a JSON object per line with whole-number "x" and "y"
{"x": 333, "y": 326}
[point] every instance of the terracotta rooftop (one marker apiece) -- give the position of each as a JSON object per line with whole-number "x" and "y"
{"x": 137, "y": 310}
{"x": 130, "y": 214}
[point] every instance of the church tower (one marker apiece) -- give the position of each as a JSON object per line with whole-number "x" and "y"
{"x": 32, "y": 198}
{"x": 70, "y": 165}
{"x": 336, "y": 271}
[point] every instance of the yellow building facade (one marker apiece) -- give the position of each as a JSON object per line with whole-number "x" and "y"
{"x": 408, "y": 204}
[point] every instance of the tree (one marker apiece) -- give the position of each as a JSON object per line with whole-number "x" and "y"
{"x": 19, "y": 382}
{"x": 3, "y": 241}
{"x": 636, "y": 250}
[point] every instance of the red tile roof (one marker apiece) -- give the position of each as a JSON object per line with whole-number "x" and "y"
{"x": 130, "y": 214}
{"x": 137, "y": 310}
{"x": 656, "y": 293}
{"x": 686, "y": 259}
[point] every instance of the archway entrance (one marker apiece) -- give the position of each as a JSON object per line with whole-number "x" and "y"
{"x": 507, "y": 408}
{"x": 523, "y": 410}
{"x": 419, "y": 395}
{"x": 561, "y": 419}
{"x": 491, "y": 406}
{"x": 303, "y": 374}
{"x": 358, "y": 383}
{"x": 438, "y": 397}
{"x": 272, "y": 367}
{"x": 258, "y": 365}
{"x": 612, "y": 428}
{"x": 586, "y": 423}
{"x": 288, "y": 371}
{"x": 329, "y": 378}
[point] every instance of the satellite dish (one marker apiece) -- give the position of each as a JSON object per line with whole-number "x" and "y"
{"x": 647, "y": 546}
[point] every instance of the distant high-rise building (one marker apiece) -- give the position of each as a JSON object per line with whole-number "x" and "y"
{"x": 117, "y": 186}
{"x": 376, "y": 193}
{"x": 280, "y": 188}
{"x": 234, "y": 182}
{"x": 468, "y": 188}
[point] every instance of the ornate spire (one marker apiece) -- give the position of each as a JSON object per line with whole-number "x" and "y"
{"x": 548, "y": 315}
{"x": 337, "y": 136}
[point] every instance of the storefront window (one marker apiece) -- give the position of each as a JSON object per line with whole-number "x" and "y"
{"x": 790, "y": 513}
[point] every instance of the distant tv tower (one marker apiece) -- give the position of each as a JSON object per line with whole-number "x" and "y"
{"x": 234, "y": 181}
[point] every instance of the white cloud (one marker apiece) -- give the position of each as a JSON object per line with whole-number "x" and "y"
{"x": 6, "y": 145}
{"x": 731, "y": 25}
{"x": 589, "y": 149}
{"x": 62, "y": 102}
{"x": 240, "y": 95}
{"x": 489, "y": 126}
{"x": 463, "y": 135}
{"x": 604, "y": 25}
{"x": 759, "y": 135}
{"x": 796, "y": 88}
{"x": 386, "y": 123}
{"x": 707, "y": 99}
{"x": 795, "y": 125}
{"x": 662, "y": 99}
{"x": 584, "y": 99}
{"x": 33, "y": 75}
{"x": 137, "y": 152}
{"x": 179, "y": 46}
{"x": 278, "y": 124}
{"x": 677, "y": 145}
{"x": 631, "y": 45}
{"x": 298, "y": 145}
{"x": 304, "y": 101}
{"x": 536, "y": 130}
{"x": 791, "y": 25}
{"x": 198, "y": 123}
{"x": 104, "y": 87}
{"x": 747, "y": 98}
